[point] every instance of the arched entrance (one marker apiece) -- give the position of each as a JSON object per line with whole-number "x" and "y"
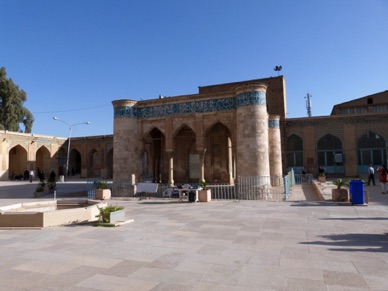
{"x": 330, "y": 154}
{"x": 62, "y": 157}
{"x": 94, "y": 164}
{"x": 18, "y": 162}
{"x": 186, "y": 157}
{"x": 154, "y": 167}
{"x": 109, "y": 164}
{"x": 371, "y": 149}
{"x": 43, "y": 160}
{"x": 218, "y": 157}
{"x": 295, "y": 153}
{"x": 74, "y": 162}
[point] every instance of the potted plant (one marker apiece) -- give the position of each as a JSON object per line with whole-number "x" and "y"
{"x": 321, "y": 177}
{"x": 340, "y": 194}
{"x": 110, "y": 214}
{"x": 205, "y": 194}
{"x": 102, "y": 191}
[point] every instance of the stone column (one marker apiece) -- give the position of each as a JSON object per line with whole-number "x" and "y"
{"x": 230, "y": 162}
{"x": 125, "y": 141}
{"x": 202, "y": 164}
{"x": 275, "y": 150}
{"x": 252, "y": 130}
{"x": 170, "y": 155}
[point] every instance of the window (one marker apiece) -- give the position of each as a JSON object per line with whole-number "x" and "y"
{"x": 294, "y": 151}
{"x": 371, "y": 149}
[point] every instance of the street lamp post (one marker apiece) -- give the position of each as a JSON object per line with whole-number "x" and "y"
{"x": 68, "y": 144}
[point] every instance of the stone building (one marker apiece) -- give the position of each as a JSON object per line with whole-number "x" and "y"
{"x": 224, "y": 131}
{"x": 344, "y": 143}
{"x": 90, "y": 157}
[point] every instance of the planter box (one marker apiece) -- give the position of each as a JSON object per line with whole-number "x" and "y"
{"x": 204, "y": 195}
{"x": 103, "y": 194}
{"x": 117, "y": 216}
{"x": 340, "y": 195}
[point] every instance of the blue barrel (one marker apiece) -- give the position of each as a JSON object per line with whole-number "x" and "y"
{"x": 357, "y": 191}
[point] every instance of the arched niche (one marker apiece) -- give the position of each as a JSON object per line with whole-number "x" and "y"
{"x": 186, "y": 157}
{"x": 295, "y": 153}
{"x": 94, "y": 163}
{"x": 218, "y": 155}
{"x": 109, "y": 164}
{"x": 43, "y": 160}
{"x": 371, "y": 149}
{"x": 75, "y": 162}
{"x": 17, "y": 162}
{"x": 154, "y": 162}
{"x": 330, "y": 154}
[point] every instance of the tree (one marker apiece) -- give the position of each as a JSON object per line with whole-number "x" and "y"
{"x": 12, "y": 111}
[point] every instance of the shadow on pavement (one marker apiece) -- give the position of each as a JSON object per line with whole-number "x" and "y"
{"x": 354, "y": 242}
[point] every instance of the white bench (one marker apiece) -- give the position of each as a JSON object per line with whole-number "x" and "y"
{"x": 146, "y": 189}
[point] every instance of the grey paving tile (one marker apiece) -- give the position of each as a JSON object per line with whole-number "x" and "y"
{"x": 225, "y": 274}
{"x": 104, "y": 282}
{"x": 206, "y": 286}
{"x": 294, "y": 284}
{"x": 45, "y": 267}
{"x": 344, "y": 279}
{"x": 164, "y": 286}
{"x": 261, "y": 277}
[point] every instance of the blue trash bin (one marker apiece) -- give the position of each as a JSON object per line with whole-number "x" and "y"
{"x": 356, "y": 188}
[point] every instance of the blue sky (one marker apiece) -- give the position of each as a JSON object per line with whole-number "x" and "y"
{"x": 74, "y": 57}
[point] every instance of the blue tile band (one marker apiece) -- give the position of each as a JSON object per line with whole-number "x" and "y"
{"x": 191, "y": 107}
{"x": 273, "y": 123}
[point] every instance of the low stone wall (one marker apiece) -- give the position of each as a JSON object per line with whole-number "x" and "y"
{"x": 45, "y": 213}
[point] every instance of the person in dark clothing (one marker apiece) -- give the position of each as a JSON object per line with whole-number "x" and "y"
{"x": 371, "y": 175}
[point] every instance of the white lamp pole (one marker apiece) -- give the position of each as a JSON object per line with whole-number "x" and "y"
{"x": 68, "y": 144}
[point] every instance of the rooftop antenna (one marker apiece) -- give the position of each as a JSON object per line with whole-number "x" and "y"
{"x": 278, "y": 69}
{"x": 308, "y": 104}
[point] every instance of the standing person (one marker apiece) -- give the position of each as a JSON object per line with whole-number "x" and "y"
{"x": 31, "y": 175}
{"x": 371, "y": 175}
{"x": 383, "y": 171}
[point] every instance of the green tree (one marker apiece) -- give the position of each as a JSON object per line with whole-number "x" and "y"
{"x": 12, "y": 111}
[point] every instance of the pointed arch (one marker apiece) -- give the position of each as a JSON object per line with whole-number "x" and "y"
{"x": 17, "y": 162}
{"x": 218, "y": 160}
{"x": 154, "y": 163}
{"x": 295, "y": 153}
{"x": 109, "y": 164}
{"x": 186, "y": 158}
{"x": 371, "y": 149}
{"x": 75, "y": 162}
{"x": 330, "y": 154}
{"x": 94, "y": 163}
{"x": 43, "y": 160}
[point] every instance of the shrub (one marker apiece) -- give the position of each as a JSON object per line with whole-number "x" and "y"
{"x": 103, "y": 216}
{"x": 102, "y": 185}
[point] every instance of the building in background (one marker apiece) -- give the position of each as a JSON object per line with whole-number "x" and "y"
{"x": 222, "y": 132}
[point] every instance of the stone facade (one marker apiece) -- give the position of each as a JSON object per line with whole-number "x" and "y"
{"x": 90, "y": 157}
{"x": 224, "y": 131}
{"x": 215, "y": 135}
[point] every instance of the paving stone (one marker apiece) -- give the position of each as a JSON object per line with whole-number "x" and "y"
{"x": 344, "y": 279}
{"x": 222, "y": 245}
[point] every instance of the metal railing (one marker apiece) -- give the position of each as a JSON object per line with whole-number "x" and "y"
{"x": 261, "y": 188}
{"x": 271, "y": 188}
{"x": 303, "y": 178}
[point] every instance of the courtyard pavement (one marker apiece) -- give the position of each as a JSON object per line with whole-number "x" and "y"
{"x": 308, "y": 243}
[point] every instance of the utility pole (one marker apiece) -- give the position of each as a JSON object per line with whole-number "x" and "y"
{"x": 308, "y": 104}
